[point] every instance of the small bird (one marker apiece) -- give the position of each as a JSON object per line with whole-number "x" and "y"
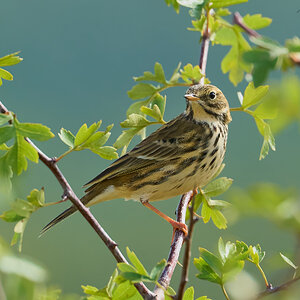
{"x": 180, "y": 156}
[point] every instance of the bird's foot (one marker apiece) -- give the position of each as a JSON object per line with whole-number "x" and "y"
{"x": 180, "y": 226}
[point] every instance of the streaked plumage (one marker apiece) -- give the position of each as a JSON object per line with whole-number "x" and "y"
{"x": 180, "y": 156}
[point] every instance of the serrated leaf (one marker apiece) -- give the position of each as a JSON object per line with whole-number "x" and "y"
{"x": 224, "y": 3}
{"x": 288, "y": 261}
{"x": 254, "y": 95}
{"x": 206, "y": 272}
{"x": 16, "y": 156}
{"x": 135, "y": 120}
{"x": 218, "y": 187}
{"x": 136, "y": 262}
{"x": 84, "y": 133}
{"x": 256, "y": 21}
{"x": 106, "y": 152}
{"x": 267, "y": 110}
{"x": 34, "y": 131}
{"x": 6, "y": 133}
{"x": 191, "y": 74}
{"x": 141, "y": 91}
{"x": 212, "y": 260}
{"x": 97, "y": 140}
{"x": 67, "y": 137}
{"x": 160, "y": 101}
{"x": 11, "y": 59}
{"x": 189, "y": 294}
{"x": 256, "y": 254}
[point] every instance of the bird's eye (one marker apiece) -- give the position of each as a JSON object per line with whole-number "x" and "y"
{"x": 212, "y": 95}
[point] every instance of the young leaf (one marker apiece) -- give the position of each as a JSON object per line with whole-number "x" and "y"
{"x": 189, "y": 294}
{"x": 5, "y": 173}
{"x": 36, "y": 197}
{"x": 256, "y": 21}
{"x": 141, "y": 91}
{"x": 288, "y": 261}
{"x": 37, "y": 132}
{"x": 173, "y": 3}
{"x": 212, "y": 260}
{"x": 106, "y": 152}
{"x": 111, "y": 283}
{"x": 218, "y": 219}
{"x": 217, "y": 187}
{"x": 123, "y": 267}
{"x": 6, "y": 133}
{"x": 155, "y": 272}
{"x": 154, "y": 112}
{"x": 256, "y": 254}
{"x": 125, "y": 138}
{"x": 206, "y": 272}
{"x": 11, "y": 59}
{"x": 84, "y": 133}
{"x": 135, "y": 120}
{"x": 67, "y": 137}
{"x": 206, "y": 212}
{"x": 125, "y": 291}
{"x": 221, "y": 249}
{"x": 191, "y": 74}
{"x": 4, "y": 118}
{"x": 136, "y": 262}
{"x": 11, "y": 216}
{"x": 254, "y": 95}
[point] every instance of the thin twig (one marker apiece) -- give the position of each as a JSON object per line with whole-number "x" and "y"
{"x": 85, "y": 212}
{"x": 187, "y": 252}
{"x": 168, "y": 271}
{"x": 238, "y": 20}
{"x": 272, "y": 290}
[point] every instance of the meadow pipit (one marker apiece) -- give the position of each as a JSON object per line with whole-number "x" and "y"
{"x": 180, "y": 156}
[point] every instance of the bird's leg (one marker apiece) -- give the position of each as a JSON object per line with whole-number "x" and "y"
{"x": 175, "y": 224}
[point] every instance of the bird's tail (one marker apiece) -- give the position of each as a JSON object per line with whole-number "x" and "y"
{"x": 71, "y": 210}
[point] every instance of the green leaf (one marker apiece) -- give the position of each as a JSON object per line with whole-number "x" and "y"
{"x": 16, "y": 156}
{"x": 154, "y": 112}
{"x": 136, "y": 262}
{"x": 36, "y": 197}
{"x": 97, "y": 140}
{"x": 256, "y": 254}
{"x": 67, "y": 137}
{"x": 22, "y": 208}
{"x": 6, "y": 133}
{"x": 11, "y": 216}
{"x": 5, "y": 173}
{"x": 135, "y": 277}
{"x": 5, "y": 75}
{"x": 155, "y": 272}
{"x": 191, "y": 74}
{"x": 141, "y": 91}
{"x": 170, "y": 291}
{"x": 256, "y": 21}
{"x": 254, "y": 95}
{"x": 206, "y": 272}
{"x": 4, "y": 118}
{"x": 106, "y": 152}
{"x": 111, "y": 283}
{"x": 135, "y": 107}
{"x": 218, "y": 203}
{"x": 189, "y": 294}
{"x": 231, "y": 269}
{"x": 205, "y": 212}
{"x": 135, "y": 120}
{"x": 158, "y": 76}
{"x": 225, "y": 36}
{"x": 37, "y": 132}
{"x": 218, "y": 219}
{"x": 124, "y": 267}
{"x": 221, "y": 249}
{"x": 84, "y": 133}
{"x": 176, "y": 75}
{"x": 125, "y": 138}
{"x": 19, "y": 233}
{"x": 11, "y": 59}
{"x": 218, "y": 186}
{"x": 288, "y": 261}
{"x": 212, "y": 260}
{"x": 160, "y": 101}
{"x": 125, "y": 291}
{"x": 224, "y": 3}
{"x": 190, "y": 3}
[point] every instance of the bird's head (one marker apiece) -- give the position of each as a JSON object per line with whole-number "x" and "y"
{"x": 205, "y": 102}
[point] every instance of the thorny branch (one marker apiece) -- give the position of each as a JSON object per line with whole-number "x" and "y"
{"x": 68, "y": 193}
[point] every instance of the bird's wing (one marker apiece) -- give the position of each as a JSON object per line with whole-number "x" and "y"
{"x": 167, "y": 143}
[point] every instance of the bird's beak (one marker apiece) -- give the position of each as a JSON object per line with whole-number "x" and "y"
{"x": 191, "y": 97}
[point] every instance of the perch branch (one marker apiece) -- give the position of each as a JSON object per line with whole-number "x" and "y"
{"x": 273, "y": 290}
{"x": 68, "y": 193}
{"x": 167, "y": 273}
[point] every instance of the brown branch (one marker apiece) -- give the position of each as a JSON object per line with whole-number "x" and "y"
{"x": 187, "y": 252}
{"x": 238, "y": 20}
{"x": 85, "y": 212}
{"x": 273, "y": 290}
{"x": 168, "y": 271}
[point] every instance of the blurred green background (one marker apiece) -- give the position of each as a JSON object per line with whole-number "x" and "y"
{"x": 79, "y": 60}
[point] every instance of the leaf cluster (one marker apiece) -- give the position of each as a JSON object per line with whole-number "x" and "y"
{"x": 8, "y": 60}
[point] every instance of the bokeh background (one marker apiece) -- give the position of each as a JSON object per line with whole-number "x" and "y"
{"x": 79, "y": 60}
